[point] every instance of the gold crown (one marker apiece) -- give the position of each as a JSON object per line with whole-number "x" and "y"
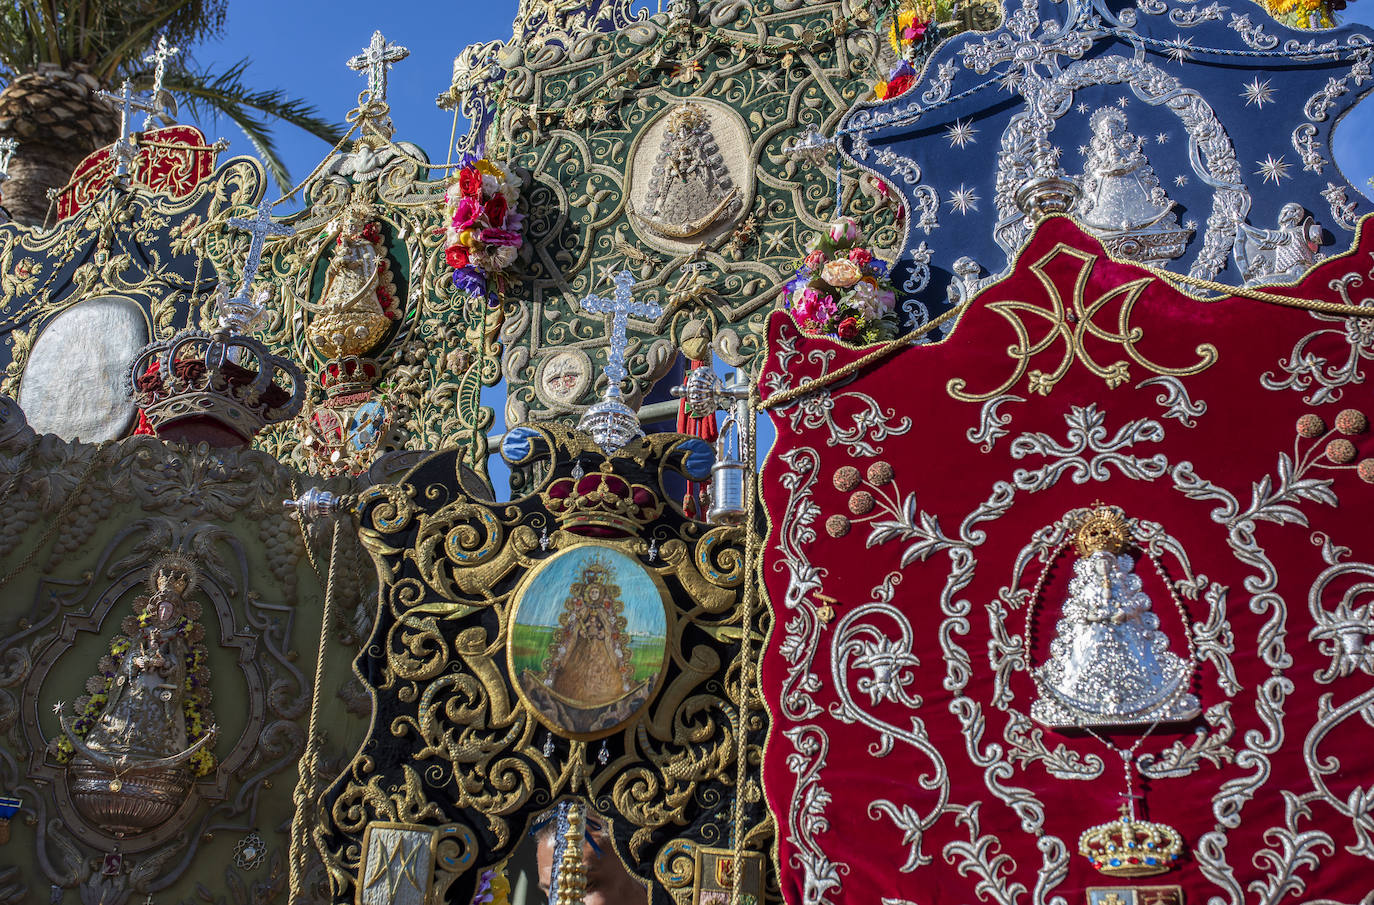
{"x": 1131, "y": 848}
{"x": 1105, "y": 528}
{"x": 601, "y": 503}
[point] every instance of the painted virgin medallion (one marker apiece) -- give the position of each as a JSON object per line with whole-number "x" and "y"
{"x": 587, "y": 640}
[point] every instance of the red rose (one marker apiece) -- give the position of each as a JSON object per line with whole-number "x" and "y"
{"x": 848, "y": 329}
{"x": 899, "y": 85}
{"x": 470, "y": 182}
{"x": 860, "y": 256}
{"x": 457, "y": 256}
{"x": 496, "y": 211}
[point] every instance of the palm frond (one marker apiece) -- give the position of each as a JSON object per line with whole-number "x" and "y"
{"x": 225, "y": 94}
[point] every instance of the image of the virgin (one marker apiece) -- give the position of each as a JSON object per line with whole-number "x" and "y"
{"x": 574, "y": 641}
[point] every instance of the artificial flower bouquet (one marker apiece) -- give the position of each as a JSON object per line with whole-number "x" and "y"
{"x": 483, "y": 236}
{"x": 842, "y": 290}
{"x": 913, "y": 29}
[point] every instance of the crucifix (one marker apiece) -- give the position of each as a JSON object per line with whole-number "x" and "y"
{"x": 240, "y": 312}
{"x": 160, "y": 58}
{"x": 128, "y": 103}
{"x": 620, "y": 307}
{"x": 376, "y": 59}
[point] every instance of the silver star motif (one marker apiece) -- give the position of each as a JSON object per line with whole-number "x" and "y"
{"x": 1191, "y": 224}
{"x": 1180, "y": 49}
{"x": 1161, "y": 138}
{"x": 1273, "y": 169}
{"x": 1010, "y": 81}
{"x": 1082, "y": 150}
{"x": 1180, "y": 180}
{"x": 1122, "y": 102}
{"x": 58, "y": 707}
{"x": 963, "y": 199}
{"x": 1081, "y": 108}
{"x": 960, "y": 134}
{"x": 1258, "y": 93}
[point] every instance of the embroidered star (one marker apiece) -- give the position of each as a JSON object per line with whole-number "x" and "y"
{"x": 960, "y": 134}
{"x": 1122, "y": 102}
{"x": 963, "y": 199}
{"x": 1010, "y": 81}
{"x": 1191, "y": 224}
{"x": 1180, "y": 50}
{"x": 1082, "y": 150}
{"x": 1082, "y": 108}
{"x": 775, "y": 240}
{"x": 768, "y": 78}
{"x": 57, "y": 708}
{"x": 1258, "y": 93}
{"x": 1180, "y": 180}
{"x": 1273, "y": 169}
{"x": 1161, "y": 138}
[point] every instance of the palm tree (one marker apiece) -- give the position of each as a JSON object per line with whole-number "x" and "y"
{"x": 55, "y": 55}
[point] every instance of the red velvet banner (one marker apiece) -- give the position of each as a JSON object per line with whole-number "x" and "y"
{"x": 173, "y": 160}
{"x": 922, "y": 524}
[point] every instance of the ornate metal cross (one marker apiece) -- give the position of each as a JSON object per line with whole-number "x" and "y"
{"x": 620, "y": 308}
{"x": 7, "y": 149}
{"x": 241, "y": 311}
{"x": 376, "y": 59}
{"x": 128, "y": 103}
{"x": 160, "y": 57}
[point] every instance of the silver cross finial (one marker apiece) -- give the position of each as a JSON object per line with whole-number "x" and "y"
{"x": 620, "y": 308}
{"x": 240, "y": 312}
{"x": 7, "y": 149}
{"x": 128, "y": 103}
{"x": 376, "y": 59}
{"x": 160, "y": 57}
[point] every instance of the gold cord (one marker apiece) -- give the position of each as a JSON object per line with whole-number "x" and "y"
{"x": 752, "y": 550}
{"x": 305, "y": 783}
{"x": 782, "y": 397}
{"x": 1259, "y": 295}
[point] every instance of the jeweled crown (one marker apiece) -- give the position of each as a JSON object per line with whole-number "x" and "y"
{"x": 1131, "y": 848}
{"x": 231, "y": 381}
{"x": 601, "y": 503}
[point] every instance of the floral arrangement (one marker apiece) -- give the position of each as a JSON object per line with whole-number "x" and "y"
{"x": 195, "y": 701}
{"x": 912, "y": 27}
{"x": 483, "y": 235}
{"x": 1302, "y": 13}
{"x": 842, "y": 290}
{"x": 493, "y": 888}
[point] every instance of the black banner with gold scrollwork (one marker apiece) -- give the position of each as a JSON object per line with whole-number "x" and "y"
{"x": 492, "y": 652}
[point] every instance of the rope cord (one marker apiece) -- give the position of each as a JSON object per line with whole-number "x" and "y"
{"x": 782, "y": 397}
{"x": 752, "y": 544}
{"x": 305, "y": 783}
{"x": 1259, "y": 295}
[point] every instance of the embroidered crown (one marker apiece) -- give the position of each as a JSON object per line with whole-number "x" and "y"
{"x": 602, "y": 503}
{"x": 1131, "y": 848}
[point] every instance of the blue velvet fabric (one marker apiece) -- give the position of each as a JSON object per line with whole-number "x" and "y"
{"x": 1173, "y": 69}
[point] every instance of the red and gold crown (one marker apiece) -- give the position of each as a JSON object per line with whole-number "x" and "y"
{"x": 1132, "y": 848}
{"x": 601, "y": 503}
{"x": 348, "y": 375}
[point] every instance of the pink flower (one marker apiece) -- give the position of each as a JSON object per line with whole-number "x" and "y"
{"x": 887, "y": 300}
{"x": 845, "y": 229}
{"x": 804, "y": 305}
{"x": 860, "y": 256}
{"x": 502, "y": 238}
{"x": 915, "y": 31}
{"x": 815, "y": 259}
{"x": 466, "y": 213}
{"x": 826, "y": 309}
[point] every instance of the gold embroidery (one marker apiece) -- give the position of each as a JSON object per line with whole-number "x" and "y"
{"x": 1072, "y": 324}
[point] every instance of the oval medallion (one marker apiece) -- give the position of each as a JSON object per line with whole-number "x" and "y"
{"x": 100, "y": 337}
{"x": 588, "y": 640}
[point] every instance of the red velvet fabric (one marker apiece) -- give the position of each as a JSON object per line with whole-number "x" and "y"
{"x": 897, "y": 766}
{"x": 173, "y": 160}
